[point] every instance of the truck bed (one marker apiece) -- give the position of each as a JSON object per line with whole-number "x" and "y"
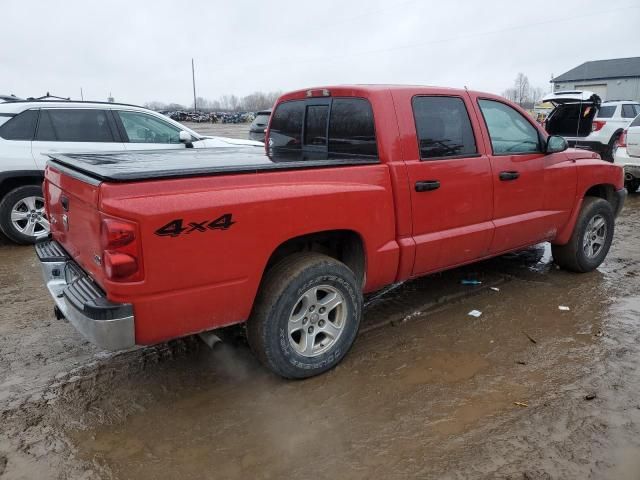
{"x": 178, "y": 163}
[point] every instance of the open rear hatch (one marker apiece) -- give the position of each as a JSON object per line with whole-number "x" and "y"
{"x": 574, "y": 113}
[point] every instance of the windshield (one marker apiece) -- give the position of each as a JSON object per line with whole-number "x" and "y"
{"x": 261, "y": 120}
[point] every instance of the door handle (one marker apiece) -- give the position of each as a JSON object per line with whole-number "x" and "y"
{"x": 426, "y": 185}
{"x": 506, "y": 176}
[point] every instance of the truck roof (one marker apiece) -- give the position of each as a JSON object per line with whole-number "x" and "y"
{"x": 365, "y": 90}
{"x": 178, "y": 163}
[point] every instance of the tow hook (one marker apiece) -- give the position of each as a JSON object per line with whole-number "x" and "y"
{"x": 58, "y": 313}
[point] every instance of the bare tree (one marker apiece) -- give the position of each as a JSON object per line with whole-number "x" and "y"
{"x": 510, "y": 94}
{"x": 523, "y": 93}
{"x": 522, "y": 88}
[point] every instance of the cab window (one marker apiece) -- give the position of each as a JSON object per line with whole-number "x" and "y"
{"x": 443, "y": 127}
{"x": 510, "y": 132}
{"x": 143, "y": 128}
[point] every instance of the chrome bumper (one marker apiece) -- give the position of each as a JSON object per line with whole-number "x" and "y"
{"x": 77, "y": 298}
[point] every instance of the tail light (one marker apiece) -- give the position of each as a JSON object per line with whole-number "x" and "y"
{"x": 121, "y": 250}
{"x": 622, "y": 139}
{"x": 597, "y": 125}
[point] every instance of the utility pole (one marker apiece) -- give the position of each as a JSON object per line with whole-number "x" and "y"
{"x": 81, "y": 95}
{"x": 193, "y": 78}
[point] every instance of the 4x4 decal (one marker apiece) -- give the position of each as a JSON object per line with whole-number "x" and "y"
{"x": 177, "y": 227}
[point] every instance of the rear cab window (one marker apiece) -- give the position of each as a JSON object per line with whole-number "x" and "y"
{"x": 19, "y": 127}
{"x": 443, "y": 128}
{"x": 336, "y": 127}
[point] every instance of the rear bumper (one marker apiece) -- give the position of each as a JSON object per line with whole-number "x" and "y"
{"x": 106, "y": 324}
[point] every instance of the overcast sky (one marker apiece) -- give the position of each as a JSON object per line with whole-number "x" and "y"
{"x": 141, "y": 51}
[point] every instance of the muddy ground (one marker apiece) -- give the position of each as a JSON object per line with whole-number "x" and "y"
{"x": 427, "y": 391}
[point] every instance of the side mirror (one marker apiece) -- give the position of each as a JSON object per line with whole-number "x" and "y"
{"x": 185, "y": 137}
{"x": 556, "y": 143}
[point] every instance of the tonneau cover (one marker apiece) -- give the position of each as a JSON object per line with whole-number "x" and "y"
{"x": 153, "y": 164}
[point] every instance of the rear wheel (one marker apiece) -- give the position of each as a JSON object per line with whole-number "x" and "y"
{"x": 306, "y": 316}
{"x": 591, "y": 238}
{"x": 22, "y": 215}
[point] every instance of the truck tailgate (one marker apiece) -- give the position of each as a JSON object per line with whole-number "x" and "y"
{"x": 72, "y": 204}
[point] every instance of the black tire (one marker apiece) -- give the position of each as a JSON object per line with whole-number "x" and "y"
{"x": 632, "y": 186}
{"x": 7, "y": 204}
{"x": 572, "y": 256}
{"x": 281, "y": 291}
{"x": 608, "y": 153}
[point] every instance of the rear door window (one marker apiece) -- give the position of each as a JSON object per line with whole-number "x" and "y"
{"x": 20, "y": 127}
{"x": 510, "y": 132}
{"x": 443, "y": 127}
{"x": 606, "y": 111}
{"x": 80, "y": 125}
{"x": 628, "y": 111}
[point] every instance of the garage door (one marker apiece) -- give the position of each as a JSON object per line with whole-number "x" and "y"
{"x": 599, "y": 89}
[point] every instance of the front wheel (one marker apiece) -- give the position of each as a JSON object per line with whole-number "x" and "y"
{"x": 591, "y": 238}
{"x": 22, "y": 215}
{"x": 306, "y": 316}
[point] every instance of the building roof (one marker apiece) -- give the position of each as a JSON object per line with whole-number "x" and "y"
{"x": 602, "y": 69}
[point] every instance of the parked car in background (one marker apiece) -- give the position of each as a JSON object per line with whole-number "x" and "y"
{"x": 587, "y": 122}
{"x": 29, "y": 130}
{"x": 627, "y": 155}
{"x": 258, "y": 127}
{"x": 361, "y": 187}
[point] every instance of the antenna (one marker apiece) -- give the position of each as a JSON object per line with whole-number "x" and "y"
{"x": 193, "y": 78}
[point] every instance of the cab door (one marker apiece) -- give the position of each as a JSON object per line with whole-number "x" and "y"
{"x": 533, "y": 191}
{"x": 449, "y": 178}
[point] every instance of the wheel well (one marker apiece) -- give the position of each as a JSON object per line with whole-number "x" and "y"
{"x": 617, "y": 133}
{"x": 14, "y": 182}
{"x": 605, "y": 191}
{"x": 344, "y": 245}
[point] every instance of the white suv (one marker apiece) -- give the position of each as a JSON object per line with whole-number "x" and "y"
{"x": 627, "y": 155}
{"x": 584, "y": 121}
{"x": 31, "y": 129}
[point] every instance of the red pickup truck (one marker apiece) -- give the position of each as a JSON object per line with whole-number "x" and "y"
{"x": 359, "y": 187}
